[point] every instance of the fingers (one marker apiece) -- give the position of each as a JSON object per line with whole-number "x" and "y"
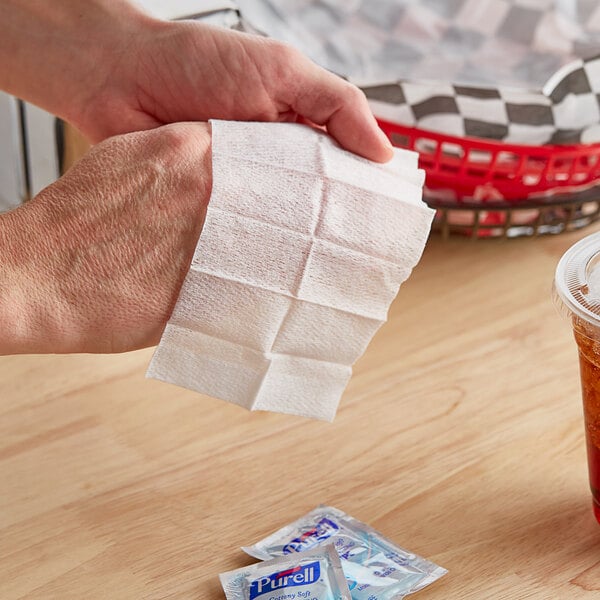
{"x": 355, "y": 128}
{"x": 341, "y": 107}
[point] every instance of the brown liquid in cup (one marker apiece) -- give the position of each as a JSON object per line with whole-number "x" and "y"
{"x": 588, "y": 341}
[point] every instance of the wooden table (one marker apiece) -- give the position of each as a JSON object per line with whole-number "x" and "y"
{"x": 460, "y": 436}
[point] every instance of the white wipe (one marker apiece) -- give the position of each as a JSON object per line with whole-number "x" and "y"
{"x": 302, "y": 252}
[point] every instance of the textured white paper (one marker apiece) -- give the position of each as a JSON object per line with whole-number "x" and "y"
{"x": 303, "y": 250}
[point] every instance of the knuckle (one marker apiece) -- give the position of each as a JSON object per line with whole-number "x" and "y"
{"x": 287, "y": 54}
{"x": 175, "y": 139}
{"x": 354, "y": 94}
{"x": 185, "y": 140}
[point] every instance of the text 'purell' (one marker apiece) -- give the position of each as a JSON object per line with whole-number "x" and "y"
{"x": 302, "y": 575}
{"x": 324, "y": 529}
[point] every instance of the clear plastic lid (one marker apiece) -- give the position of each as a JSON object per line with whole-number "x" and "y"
{"x": 577, "y": 279}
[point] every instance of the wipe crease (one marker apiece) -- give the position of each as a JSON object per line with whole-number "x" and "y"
{"x": 303, "y": 249}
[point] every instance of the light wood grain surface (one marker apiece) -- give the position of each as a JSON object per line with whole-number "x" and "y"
{"x": 460, "y": 436}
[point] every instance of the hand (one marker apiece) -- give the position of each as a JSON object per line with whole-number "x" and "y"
{"x": 108, "y": 68}
{"x": 188, "y": 71}
{"x": 95, "y": 262}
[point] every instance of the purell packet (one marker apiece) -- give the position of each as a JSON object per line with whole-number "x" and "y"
{"x": 313, "y": 575}
{"x": 374, "y": 566}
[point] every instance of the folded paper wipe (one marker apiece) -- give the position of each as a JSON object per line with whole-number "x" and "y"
{"x": 303, "y": 249}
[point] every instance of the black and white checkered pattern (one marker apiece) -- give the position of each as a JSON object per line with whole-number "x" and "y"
{"x": 519, "y": 71}
{"x": 565, "y": 113}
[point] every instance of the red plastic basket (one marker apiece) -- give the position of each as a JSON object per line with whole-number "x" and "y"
{"x": 464, "y": 165}
{"x": 470, "y": 174}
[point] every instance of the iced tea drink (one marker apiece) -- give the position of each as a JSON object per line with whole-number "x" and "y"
{"x": 588, "y": 342}
{"x": 577, "y": 290}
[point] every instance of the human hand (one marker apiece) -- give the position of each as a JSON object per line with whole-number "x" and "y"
{"x": 95, "y": 262}
{"x": 187, "y": 71}
{"x": 108, "y": 68}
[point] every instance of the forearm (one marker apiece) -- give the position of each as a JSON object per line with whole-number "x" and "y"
{"x": 57, "y": 54}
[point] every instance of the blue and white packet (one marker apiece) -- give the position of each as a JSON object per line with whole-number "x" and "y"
{"x": 313, "y": 575}
{"x": 374, "y": 566}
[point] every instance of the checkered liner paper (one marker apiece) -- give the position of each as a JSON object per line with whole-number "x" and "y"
{"x": 517, "y": 71}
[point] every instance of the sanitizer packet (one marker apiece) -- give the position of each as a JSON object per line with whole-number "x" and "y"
{"x": 375, "y": 568}
{"x": 313, "y": 575}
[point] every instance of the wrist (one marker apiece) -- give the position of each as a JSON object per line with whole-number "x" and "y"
{"x": 60, "y": 55}
{"x": 104, "y": 79}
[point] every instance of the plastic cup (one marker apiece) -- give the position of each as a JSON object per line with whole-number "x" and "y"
{"x": 577, "y": 292}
